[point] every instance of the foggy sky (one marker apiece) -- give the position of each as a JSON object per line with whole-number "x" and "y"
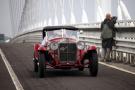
{"x": 5, "y": 24}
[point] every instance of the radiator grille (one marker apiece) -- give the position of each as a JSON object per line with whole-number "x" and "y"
{"x": 67, "y": 51}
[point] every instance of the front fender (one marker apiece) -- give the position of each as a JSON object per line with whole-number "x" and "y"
{"x": 89, "y": 51}
{"x": 36, "y": 46}
{"x": 42, "y": 48}
{"x": 92, "y": 48}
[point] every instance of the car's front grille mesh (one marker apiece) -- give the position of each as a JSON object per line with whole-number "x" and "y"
{"x": 67, "y": 51}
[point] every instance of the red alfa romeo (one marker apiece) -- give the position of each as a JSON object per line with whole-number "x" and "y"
{"x": 61, "y": 49}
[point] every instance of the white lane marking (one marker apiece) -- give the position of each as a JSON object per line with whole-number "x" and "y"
{"x": 13, "y": 76}
{"x": 118, "y": 68}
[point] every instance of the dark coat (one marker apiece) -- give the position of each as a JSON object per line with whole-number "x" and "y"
{"x": 108, "y": 43}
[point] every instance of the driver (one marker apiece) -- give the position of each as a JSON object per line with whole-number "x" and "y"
{"x": 44, "y": 38}
{"x": 43, "y": 42}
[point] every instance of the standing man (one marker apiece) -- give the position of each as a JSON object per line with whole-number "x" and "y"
{"x": 107, "y": 35}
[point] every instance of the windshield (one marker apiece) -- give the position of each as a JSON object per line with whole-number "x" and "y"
{"x": 63, "y": 33}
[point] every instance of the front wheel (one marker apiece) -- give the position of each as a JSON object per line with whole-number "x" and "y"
{"x": 93, "y": 67}
{"x": 41, "y": 66}
{"x": 81, "y": 69}
{"x": 35, "y": 65}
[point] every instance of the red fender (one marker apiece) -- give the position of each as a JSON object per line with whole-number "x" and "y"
{"x": 42, "y": 48}
{"x": 36, "y": 46}
{"x": 92, "y": 48}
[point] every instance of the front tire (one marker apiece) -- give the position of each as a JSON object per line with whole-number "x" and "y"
{"x": 35, "y": 65}
{"x": 93, "y": 67}
{"x": 81, "y": 69}
{"x": 41, "y": 66}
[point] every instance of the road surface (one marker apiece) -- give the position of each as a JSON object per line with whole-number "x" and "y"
{"x": 20, "y": 59}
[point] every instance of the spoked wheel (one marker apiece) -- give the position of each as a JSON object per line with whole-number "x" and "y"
{"x": 93, "y": 67}
{"x": 41, "y": 66}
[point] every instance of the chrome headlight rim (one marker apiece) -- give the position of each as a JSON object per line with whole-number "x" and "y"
{"x": 53, "y": 46}
{"x": 80, "y": 45}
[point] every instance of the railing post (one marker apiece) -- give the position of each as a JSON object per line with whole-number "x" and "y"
{"x": 133, "y": 60}
{"x": 115, "y": 55}
{"x": 121, "y": 55}
{"x": 128, "y": 58}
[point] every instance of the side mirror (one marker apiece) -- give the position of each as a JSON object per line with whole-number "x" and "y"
{"x": 81, "y": 31}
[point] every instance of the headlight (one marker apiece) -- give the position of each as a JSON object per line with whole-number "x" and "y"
{"x": 81, "y": 45}
{"x": 53, "y": 46}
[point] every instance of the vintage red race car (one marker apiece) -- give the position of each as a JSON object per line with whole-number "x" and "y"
{"x": 63, "y": 50}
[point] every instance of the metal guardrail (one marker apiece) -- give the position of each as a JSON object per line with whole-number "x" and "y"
{"x": 120, "y": 23}
{"x": 125, "y": 40}
{"x": 124, "y": 51}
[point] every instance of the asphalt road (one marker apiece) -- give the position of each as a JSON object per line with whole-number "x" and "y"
{"x": 20, "y": 58}
{"x": 5, "y": 80}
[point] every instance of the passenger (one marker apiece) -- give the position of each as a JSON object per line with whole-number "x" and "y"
{"x": 107, "y": 35}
